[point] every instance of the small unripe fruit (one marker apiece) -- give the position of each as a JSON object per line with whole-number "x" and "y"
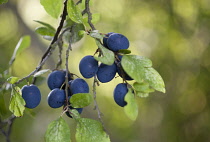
{"x": 117, "y": 41}
{"x": 56, "y": 79}
{"x": 31, "y": 95}
{"x": 56, "y": 98}
{"x": 119, "y": 94}
{"x": 106, "y": 73}
{"x": 105, "y": 38}
{"x": 88, "y": 66}
{"x": 79, "y": 85}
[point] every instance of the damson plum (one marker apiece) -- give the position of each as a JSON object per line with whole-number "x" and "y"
{"x": 88, "y": 66}
{"x": 56, "y": 98}
{"x": 105, "y": 38}
{"x": 79, "y": 85}
{"x": 106, "y": 73}
{"x": 117, "y": 41}
{"x": 56, "y": 79}
{"x": 31, "y": 95}
{"x": 119, "y": 94}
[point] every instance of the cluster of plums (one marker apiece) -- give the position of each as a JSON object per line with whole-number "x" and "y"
{"x": 57, "y": 97}
{"x": 89, "y": 66}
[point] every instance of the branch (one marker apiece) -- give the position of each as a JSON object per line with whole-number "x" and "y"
{"x": 87, "y": 10}
{"x": 8, "y": 122}
{"x": 48, "y": 52}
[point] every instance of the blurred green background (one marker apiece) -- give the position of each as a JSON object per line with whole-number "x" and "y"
{"x": 174, "y": 34}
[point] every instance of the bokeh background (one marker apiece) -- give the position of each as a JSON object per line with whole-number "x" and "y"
{"x": 174, "y": 34}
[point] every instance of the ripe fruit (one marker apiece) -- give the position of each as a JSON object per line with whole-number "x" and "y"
{"x": 106, "y": 73}
{"x": 79, "y": 85}
{"x": 117, "y": 41}
{"x": 119, "y": 94}
{"x": 56, "y": 79}
{"x": 88, "y": 66}
{"x": 105, "y": 38}
{"x": 31, "y": 95}
{"x": 56, "y": 98}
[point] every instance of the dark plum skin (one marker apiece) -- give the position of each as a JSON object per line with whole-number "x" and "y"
{"x": 79, "y": 85}
{"x": 106, "y": 73}
{"x": 88, "y": 66}
{"x": 119, "y": 94}
{"x": 117, "y": 41}
{"x": 56, "y": 79}
{"x": 120, "y": 70}
{"x": 31, "y": 95}
{"x": 56, "y": 98}
{"x": 105, "y": 38}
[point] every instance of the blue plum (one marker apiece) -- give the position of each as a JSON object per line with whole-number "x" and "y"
{"x": 119, "y": 94}
{"x": 31, "y": 95}
{"x": 106, "y": 73}
{"x": 105, "y": 38}
{"x": 117, "y": 41}
{"x": 56, "y": 79}
{"x": 56, "y": 98}
{"x": 88, "y": 66}
{"x": 79, "y": 85}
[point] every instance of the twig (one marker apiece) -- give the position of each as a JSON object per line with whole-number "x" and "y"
{"x": 96, "y": 104}
{"x": 48, "y": 52}
{"x": 87, "y": 10}
{"x": 8, "y": 122}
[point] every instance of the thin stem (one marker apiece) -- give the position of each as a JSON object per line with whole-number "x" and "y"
{"x": 96, "y": 104}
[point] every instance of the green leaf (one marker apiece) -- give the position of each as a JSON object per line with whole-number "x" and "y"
{"x": 23, "y": 43}
{"x": 142, "y": 87}
{"x": 142, "y": 95}
{"x": 3, "y": 1}
{"x": 52, "y": 7}
{"x": 12, "y": 80}
{"x": 131, "y": 109}
{"x": 17, "y": 103}
{"x": 44, "y": 31}
{"x": 40, "y": 80}
{"x": 46, "y": 25}
{"x": 81, "y": 100}
{"x": 107, "y": 57}
{"x": 41, "y": 72}
{"x": 76, "y": 34}
{"x": 73, "y": 12}
{"x": 58, "y": 131}
{"x": 89, "y": 130}
{"x": 124, "y": 51}
{"x": 154, "y": 79}
{"x": 95, "y": 34}
{"x": 139, "y": 68}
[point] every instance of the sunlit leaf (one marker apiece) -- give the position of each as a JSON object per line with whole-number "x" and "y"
{"x": 12, "y": 80}
{"x": 41, "y": 72}
{"x": 81, "y": 100}
{"x": 17, "y": 103}
{"x": 96, "y": 34}
{"x": 142, "y": 95}
{"x": 52, "y": 7}
{"x": 89, "y": 130}
{"x": 45, "y": 31}
{"x": 95, "y": 18}
{"x": 58, "y": 131}
{"x": 73, "y": 12}
{"x": 139, "y": 68}
{"x": 107, "y": 57}
{"x": 131, "y": 109}
{"x": 142, "y": 87}
{"x": 46, "y": 25}
{"x": 23, "y": 43}
{"x": 3, "y": 1}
